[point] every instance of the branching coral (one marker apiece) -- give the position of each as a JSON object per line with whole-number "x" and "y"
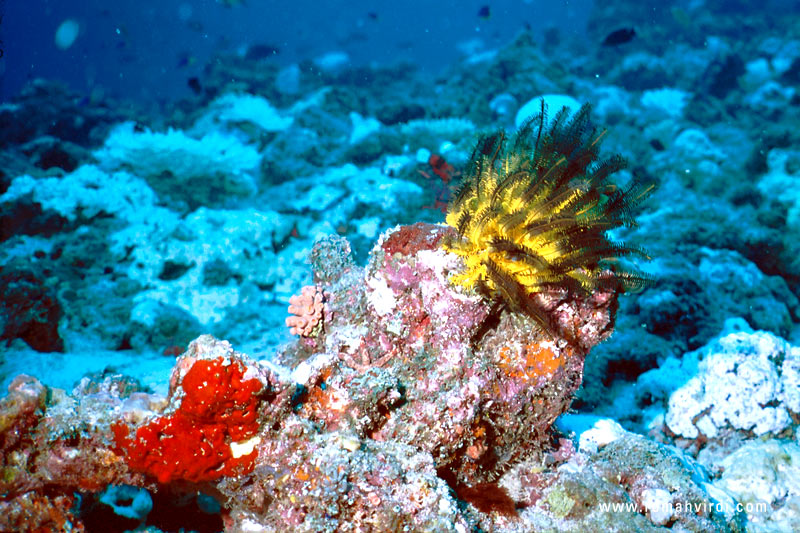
{"x": 534, "y": 216}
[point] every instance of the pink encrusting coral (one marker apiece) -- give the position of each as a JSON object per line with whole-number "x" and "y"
{"x": 307, "y": 308}
{"x": 480, "y": 390}
{"x": 413, "y": 409}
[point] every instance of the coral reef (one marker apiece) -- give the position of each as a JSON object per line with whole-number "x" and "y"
{"x": 764, "y": 476}
{"x": 748, "y": 381}
{"x": 208, "y": 435}
{"x": 307, "y": 308}
{"x": 413, "y": 395}
{"x": 427, "y": 401}
{"x": 29, "y": 310}
{"x": 181, "y": 168}
{"x": 630, "y": 484}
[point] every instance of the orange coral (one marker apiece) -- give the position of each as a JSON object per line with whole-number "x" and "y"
{"x": 533, "y": 361}
{"x": 307, "y": 308}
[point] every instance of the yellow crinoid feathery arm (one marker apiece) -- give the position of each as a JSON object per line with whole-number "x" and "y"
{"x": 532, "y": 213}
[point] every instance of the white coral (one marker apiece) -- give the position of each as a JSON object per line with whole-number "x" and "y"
{"x": 200, "y": 171}
{"x": 746, "y": 381}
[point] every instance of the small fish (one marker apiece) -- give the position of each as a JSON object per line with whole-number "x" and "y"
{"x": 441, "y": 168}
{"x": 354, "y": 37}
{"x": 552, "y": 36}
{"x": 186, "y": 60}
{"x": 372, "y": 15}
{"x": 445, "y": 171}
{"x": 620, "y": 36}
{"x": 129, "y": 59}
{"x": 484, "y": 13}
{"x": 196, "y": 26}
{"x": 257, "y": 52}
{"x": 223, "y": 43}
{"x": 194, "y": 85}
{"x": 681, "y": 17}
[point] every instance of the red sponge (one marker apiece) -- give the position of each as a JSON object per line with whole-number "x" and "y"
{"x": 193, "y": 443}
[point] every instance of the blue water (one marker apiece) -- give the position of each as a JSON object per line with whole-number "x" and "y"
{"x": 137, "y": 49}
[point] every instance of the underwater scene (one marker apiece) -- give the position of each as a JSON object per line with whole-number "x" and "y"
{"x": 454, "y": 266}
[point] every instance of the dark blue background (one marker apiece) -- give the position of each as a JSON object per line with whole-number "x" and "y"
{"x": 134, "y": 48}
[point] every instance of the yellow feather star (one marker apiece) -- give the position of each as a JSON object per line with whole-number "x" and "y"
{"x": 535, "y": 216}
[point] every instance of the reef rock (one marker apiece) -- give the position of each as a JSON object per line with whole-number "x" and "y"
{"x": 412, "y": 398}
